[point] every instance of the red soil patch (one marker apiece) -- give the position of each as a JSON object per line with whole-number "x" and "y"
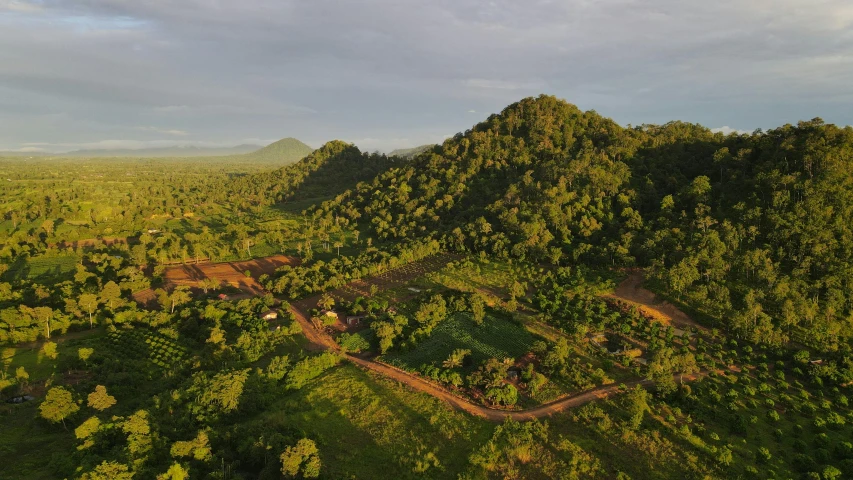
{"x": 226, "y": 273}
{"x": 632, "y": 292}
{"x": 230, "y": 273}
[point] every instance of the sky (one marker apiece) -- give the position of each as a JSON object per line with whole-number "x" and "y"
{"x": 388, "y": 74}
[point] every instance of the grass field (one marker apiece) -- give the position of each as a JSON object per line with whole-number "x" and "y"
{"x": 26, "y": 444}
{"x": 369, "y": 427}
{"x": 496, "y": 338}
{"x": 56, "y": 268}
{"x": 38, "y": 367}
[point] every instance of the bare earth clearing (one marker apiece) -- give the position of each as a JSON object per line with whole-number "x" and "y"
{"x": 631, "y": 291}
{"x": 225, "y": 273}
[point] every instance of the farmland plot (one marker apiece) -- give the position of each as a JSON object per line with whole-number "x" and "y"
{"x": 496, "y": 338}
{"x": 159, "y": 350}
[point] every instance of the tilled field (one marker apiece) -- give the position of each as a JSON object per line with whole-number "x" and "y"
{"x": 225, "y": 273}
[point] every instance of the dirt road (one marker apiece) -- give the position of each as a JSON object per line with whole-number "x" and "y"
{"x": 631, "y": 291}
{"x": 320, "y": 340}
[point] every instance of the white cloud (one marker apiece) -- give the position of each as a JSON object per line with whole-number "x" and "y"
{"x": 165, "y": 131}
{"x": 726, "y": 130}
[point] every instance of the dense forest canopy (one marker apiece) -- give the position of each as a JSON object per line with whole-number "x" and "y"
{"x": 751, "y": 228}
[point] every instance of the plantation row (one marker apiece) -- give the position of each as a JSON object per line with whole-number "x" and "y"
{"x": 159, "y": 350}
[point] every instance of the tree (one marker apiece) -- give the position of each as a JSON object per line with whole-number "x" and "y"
{"x": 326, "y": 302}
{"x": 175, "y": 472}
{"x": 58, "y": 405}
{"x": 179, "y": 296}
{"x": 84, "y": 353}
{"x": 724, "y": 456}
{"x": 456, "y": 358}
{"x": 48, "y": 350}
{"x": 22, "y": 377}
{"x": 100, "y": 400}
{"x": 47, "y": 226}
{"x": 302, "y": 458}
{"x": 87, "y": 428}
{"x": 197, "y": 448}
{"x": 831, "y": 473}
{"x": 109, "y": 471}
{"x": 44, "y": 315}
{"x": 111, "y": 294}
{"x": 637, "y": 404}
{"x": 89, "y": 302}
{"x": 478, "y": 308}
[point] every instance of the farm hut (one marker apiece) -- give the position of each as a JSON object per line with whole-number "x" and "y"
{"x": 354, "y": 320}
{"x": 152, "y": 231}
{"x": 513, "y": 373}
{"x": 269, "y": 315}
{"x": 222, "y": 296}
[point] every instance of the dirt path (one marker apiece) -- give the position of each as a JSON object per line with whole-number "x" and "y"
{"x": 631, "y": 291}
{"x": 320, "y": 340}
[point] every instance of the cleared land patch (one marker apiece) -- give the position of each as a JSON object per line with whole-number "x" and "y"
{"x": 632, "y": 292}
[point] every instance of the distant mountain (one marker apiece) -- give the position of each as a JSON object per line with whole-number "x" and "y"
{"x": 410, "y": 153}
{"x": 23, "y": 154}
{"x": 181, "y": 151}
{"x": 331, "y": 169}
{"x": 283, "y": 152}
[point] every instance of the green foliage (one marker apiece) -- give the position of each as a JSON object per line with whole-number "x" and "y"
{"x": 301, "y": 460}
{"x": 496, "y": 337}
{"x": 310, "y": 368}
{"x": 58, "y": 405}
{"x": 101, "y": 400}
{"x": 161, "y": 351}
{"x": 215, "y": 395}
{"x": 356, "y": 342}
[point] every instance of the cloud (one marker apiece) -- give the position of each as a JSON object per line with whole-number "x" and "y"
{"x": 16, "y": 6}
{"x": 726, "y": 130}
{"x": 178, "y": 133}
{"x": 337, "y": 69}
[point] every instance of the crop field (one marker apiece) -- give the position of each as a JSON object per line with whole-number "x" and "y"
{"x": 159, "y": 350}
{"x": 231, "y": 273}
{"x": 56, "y": 268}
{"x": 496, "y": 338}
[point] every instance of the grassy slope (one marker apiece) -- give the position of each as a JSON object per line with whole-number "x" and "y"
{"x": 370, "y": 427}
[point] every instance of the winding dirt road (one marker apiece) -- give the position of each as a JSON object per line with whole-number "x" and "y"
{"x": 321, "y": 341}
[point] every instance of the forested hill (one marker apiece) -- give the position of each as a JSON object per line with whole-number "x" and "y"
{"x": 331, "y": 169}
{"x": 283, "y": 152}
{"x": 409, "y": 153}
{"x": 751, "y": 229}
